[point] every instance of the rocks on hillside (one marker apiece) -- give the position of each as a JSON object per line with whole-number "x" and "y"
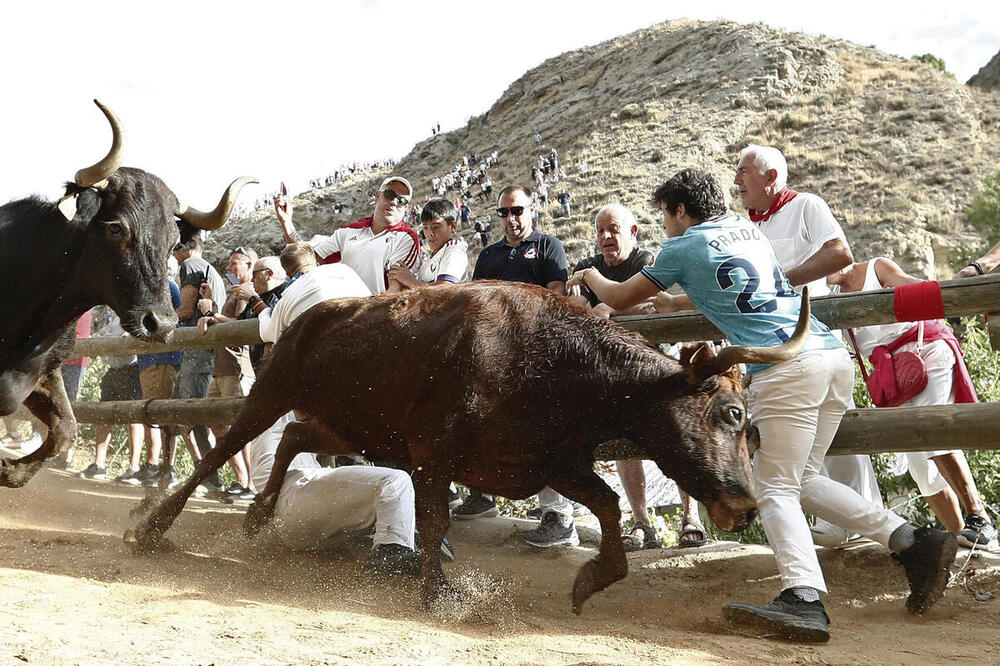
{"x": 896, "y": 148}
{"x": 987, "y": 78}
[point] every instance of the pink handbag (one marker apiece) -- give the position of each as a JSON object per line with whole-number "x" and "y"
{"x": 904, "y": 379}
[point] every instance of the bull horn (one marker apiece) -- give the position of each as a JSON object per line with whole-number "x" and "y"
{"x": 93, "y": 175}
{"x": 215, "y": 219}
{"x": 730, "y": 356}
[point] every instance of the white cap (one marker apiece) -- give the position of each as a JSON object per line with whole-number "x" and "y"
{"x": 397, "y": 179}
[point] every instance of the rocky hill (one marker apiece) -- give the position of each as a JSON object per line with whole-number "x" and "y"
{"x": 897, "y": 148}
{"x": 988, "y": 77}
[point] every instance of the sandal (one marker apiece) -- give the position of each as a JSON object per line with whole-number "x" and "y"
{"x": 641, "y": 537}
{"x": 692, "y": 536}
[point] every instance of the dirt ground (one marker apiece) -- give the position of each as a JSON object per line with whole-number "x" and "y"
{"x": 73, "y": 593}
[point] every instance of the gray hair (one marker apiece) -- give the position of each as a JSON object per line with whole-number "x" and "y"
{"x": 766, "y": 158}
{"x": 272, "y": 263}
{"x": 620, "y": 213}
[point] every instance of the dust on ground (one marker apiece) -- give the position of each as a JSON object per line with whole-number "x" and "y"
{"x": 73, "y": 593}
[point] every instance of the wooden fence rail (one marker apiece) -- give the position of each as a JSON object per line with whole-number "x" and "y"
{"x": 961, "y": 297}
{"x": 862, "y": 430}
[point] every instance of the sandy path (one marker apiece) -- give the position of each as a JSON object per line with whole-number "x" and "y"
{"x": 72, "y": 593}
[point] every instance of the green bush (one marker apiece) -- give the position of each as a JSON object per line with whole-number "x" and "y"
{"x": 933, "y": 61}
{"x": 984, "y": 212}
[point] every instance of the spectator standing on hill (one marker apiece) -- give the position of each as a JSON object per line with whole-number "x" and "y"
{"x": 525, "y": 255}
{"x": 371, "y": 245}
{"x": 564, "y": 202}
{"x": 537, "y": 138}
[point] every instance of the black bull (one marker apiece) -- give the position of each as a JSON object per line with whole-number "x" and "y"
{"x": 505, "y": 388}
{"x": 106, "y": 242}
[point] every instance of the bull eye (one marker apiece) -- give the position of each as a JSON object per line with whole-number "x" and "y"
{"x": 736, "y": 414}
{"x": 115, "y": 228}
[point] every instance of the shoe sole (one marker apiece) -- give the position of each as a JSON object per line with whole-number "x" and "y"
{"x": 769, "y": 625}
{"x": 491, "y": 513}
{"x": 944, "y": 553}
{"x": 549, "y": 544}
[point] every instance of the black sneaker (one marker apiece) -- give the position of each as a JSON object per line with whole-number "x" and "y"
{"x": 787, "y": 617}
{"x": 476, "y": 506}
{"x": 392, "y": 559}
{"x": 978, "y": 532}
{"x": 130, "y": 476}
{"x": 927, "y": 563}
{"x": 236, "y": 491}
{"x": 552, "y": 532}
{"x": 92, "y": 471}
{"x": 148, "y": 474}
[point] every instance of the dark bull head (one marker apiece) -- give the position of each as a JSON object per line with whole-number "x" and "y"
{"x": 711, "y": 427}
{"x": 131, "y": 225}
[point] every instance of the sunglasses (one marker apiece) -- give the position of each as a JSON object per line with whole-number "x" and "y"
{"x": 240, "y": 250}
{"x": 261, "y": 270}
{"x": 516, "y": 211}
{"x": 390, "y": 195}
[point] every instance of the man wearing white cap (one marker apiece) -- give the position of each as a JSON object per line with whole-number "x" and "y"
{"x": 371, "y": 245}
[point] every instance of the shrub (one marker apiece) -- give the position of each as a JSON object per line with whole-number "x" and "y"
{"x": 984, "y": 212}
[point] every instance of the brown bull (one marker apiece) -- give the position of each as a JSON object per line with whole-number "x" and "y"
{"x": 506, "y": 388}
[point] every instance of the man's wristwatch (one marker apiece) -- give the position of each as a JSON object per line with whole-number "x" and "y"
{"x": 978, "y": 267}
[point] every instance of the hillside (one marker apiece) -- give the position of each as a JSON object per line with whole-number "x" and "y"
{"x": 988, "y": 76}
{"x": 897, "y": 148}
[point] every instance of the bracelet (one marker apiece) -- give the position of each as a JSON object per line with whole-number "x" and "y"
{"x": 978, "y": 267}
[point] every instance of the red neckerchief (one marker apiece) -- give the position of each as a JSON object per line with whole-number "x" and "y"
{"x": 784, "y": 196}
{"x": 367, "y": 222}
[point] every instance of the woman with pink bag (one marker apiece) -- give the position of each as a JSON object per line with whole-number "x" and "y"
{"x": 947, "y": 484}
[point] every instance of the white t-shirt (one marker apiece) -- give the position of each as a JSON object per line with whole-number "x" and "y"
{"x": 450, "y": 263}
{"x": 322, "y": 283}
{"x": 368, "y": 253}
{"x": 798, "y": 230}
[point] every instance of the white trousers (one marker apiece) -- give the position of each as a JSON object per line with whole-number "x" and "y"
{"x": 550, "y": 500}
{"x": 317, "y": 505}
{"x": 797, "y": 406}
{"x": 940, "y": 363}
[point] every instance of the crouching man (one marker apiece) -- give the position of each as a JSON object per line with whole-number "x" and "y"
{"x": 317, "y": 505}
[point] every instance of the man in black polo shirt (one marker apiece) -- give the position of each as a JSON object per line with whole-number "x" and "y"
{"x": 525, "y": 255}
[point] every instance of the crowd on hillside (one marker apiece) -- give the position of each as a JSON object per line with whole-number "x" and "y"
{"x": 744, "y": 273}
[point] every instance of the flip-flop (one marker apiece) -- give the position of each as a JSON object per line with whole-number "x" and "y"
{"x": 691, "y": 529}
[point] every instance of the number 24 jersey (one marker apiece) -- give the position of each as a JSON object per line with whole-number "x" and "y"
{"x": 727, "y": 267}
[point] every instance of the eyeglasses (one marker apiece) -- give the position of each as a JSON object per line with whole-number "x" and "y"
{"x": 261, "y": 270}
{"x": 516, "y": 211}
{"x": 390, "y": 195}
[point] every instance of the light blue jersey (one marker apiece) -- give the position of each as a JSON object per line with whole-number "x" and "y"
{"x": 727, "y": 268}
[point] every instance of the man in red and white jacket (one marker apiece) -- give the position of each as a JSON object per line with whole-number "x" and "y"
{"x": 371, "y": 245}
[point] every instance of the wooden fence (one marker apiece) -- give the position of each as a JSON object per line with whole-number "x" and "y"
{"x": 862, "y": 431}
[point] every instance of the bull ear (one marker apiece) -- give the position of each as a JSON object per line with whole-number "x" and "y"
{"x": 698, "y": 361}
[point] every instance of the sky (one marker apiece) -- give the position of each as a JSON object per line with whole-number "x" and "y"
{"x": 208, "y": 91}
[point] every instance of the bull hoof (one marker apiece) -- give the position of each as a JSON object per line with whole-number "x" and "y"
{"x": 16, "y": 474}
{"x": 145, "y": 505}
{"x": 594, "y": 576}
{"x": 258, "y": 515}
{"x": 143, "y": 543}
